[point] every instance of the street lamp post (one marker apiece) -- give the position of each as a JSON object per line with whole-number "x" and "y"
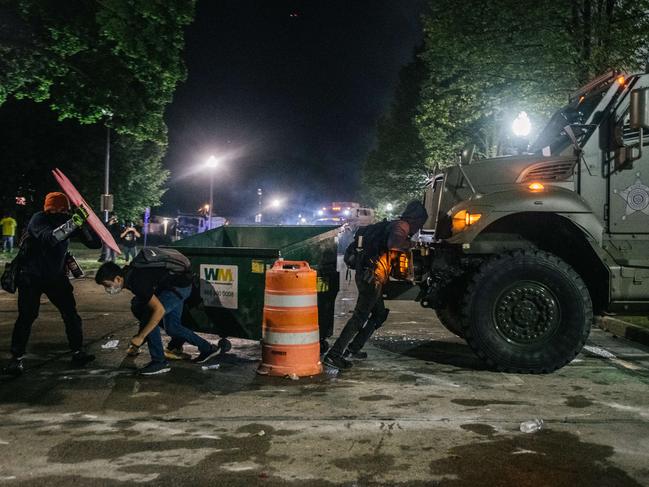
{"x": 107, "y": 172}
{"x": 107, "y": 198}
{"x": 260, "y": 193}
{"x": 211, "y": 164}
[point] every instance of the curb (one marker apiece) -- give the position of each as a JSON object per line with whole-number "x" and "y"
{"x": 623, "y": 329}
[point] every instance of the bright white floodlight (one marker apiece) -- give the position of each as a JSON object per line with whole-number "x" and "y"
{"x": 212, "y": 162}
{"x": 389, "y": 207}
{"x": 522, "y": 125}
{"x": 276, "y": 203}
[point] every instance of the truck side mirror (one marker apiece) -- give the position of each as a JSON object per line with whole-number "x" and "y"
{"x": 466, "y": 156}
{"x": 639, "y": 120}
{"x": 639, "y": 109}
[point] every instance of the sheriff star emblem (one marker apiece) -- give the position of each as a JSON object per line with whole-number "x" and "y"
{"x": 636, "y": 197}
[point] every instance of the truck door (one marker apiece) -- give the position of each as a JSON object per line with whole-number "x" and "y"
{"x": 628, "y": 216}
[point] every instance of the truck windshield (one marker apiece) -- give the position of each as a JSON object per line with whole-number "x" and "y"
{"x": 553, "y": 138}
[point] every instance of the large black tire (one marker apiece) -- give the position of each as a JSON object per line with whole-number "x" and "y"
{"x": 526, "y": 312}
{"x": 451, "y": 317}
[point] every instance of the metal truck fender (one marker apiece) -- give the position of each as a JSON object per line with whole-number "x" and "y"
{"x": 552, "y": 199}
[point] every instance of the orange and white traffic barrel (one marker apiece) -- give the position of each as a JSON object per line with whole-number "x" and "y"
{"x": 290, "y": 332}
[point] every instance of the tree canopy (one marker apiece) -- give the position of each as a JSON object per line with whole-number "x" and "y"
{"x": 34, "y": 142}
{"x": 88, "y": 60}
{"x": 484, "y": 62}
{"x": 112, "y": 63}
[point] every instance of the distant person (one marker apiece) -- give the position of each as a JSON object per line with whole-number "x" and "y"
{"x": 8, "y": 225}
{"x": 44, "y": 271}
{"x": 160, "y": 294}
{"x": 108, "y": 254}
{"x": 373, "y": 266}
{"x": 129, "y": 241}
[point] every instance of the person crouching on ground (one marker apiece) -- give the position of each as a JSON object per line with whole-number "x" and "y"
{"x": 159, "y": 297}
{"x": 371, "y": 275}
{"x": 43, "y": 270}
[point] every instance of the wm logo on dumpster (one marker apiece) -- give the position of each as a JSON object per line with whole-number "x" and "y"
{"x": 219, "y": 285}
{"x": 221, "y": 275}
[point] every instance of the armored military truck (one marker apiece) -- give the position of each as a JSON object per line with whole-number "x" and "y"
{"x": 520, "y": 252}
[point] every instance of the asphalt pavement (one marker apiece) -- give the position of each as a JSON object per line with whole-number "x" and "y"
{"x": 421, "y": 410}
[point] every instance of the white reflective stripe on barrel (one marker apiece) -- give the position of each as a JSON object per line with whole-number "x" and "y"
{"x": 290, "y": 338}
{"x": 290, "y": 300}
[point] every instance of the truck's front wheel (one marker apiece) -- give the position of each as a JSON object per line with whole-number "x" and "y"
{"x": 451, "y": 320}
{"x": 526, "y": 312}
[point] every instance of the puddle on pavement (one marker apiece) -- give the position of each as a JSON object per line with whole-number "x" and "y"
{"x": 479, "y": 429}
{"x": 481, "y": 402}
{"x": 578, "y": 402}
{"x": 548, "y": 458}
{"x": 377, "y": 397}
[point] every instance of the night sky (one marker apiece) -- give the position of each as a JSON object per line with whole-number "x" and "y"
{"x": 288, "y": 94}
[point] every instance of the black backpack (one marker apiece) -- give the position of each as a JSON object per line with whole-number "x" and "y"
{"x": 368, "y": 244}
{"x": 9, "y": 278}
{"x": 157, "y": 258}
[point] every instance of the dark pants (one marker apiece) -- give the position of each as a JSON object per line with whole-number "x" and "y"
{"x": 370, "y": 301}
{"x": 60, "y": 293}
{"x": 173, "y": 301}
{"x": 107, "y": 254}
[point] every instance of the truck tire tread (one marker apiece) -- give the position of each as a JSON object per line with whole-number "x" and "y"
{"x": 520, "y": 257}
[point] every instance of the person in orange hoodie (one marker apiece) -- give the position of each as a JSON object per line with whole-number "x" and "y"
{"x": 44, "y": 270}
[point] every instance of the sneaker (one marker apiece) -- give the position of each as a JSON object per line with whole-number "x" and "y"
{"x": 176, "y": 354}
{"x": 133, "y": 351}
{"x": 224, "y": 345}
{"x": 154, "y": 368}
{"x": 15, "y": 366}
{"x": 336, "y": 362}
{"x": 205, "y": 356}
{"x": 360, "y": 355}
{"x": 81, "y": 358}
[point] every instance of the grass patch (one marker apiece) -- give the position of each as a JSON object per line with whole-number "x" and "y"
{"x": 642, "y": 321}
{"x": 86, "y": 257}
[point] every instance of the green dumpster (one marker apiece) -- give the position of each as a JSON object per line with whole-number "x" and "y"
{"x": 230, "y": 263}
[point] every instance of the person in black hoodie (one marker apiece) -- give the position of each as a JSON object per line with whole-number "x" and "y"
{"x": 370, "y": 312}
{"x": 43, "y": 270}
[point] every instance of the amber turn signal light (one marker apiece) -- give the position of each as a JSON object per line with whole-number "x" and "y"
{"x": 536, "y": 187}
{"x": 463, "y": 219}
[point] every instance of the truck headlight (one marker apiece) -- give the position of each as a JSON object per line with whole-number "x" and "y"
{"x": 464, "y": 219}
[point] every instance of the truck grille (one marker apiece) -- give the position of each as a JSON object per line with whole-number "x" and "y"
{"x": 548, "y": 171}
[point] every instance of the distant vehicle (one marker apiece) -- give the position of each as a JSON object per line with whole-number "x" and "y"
{"x": 349, "y": 215}
{"x": 189, "y": 224}
{"x": 341, "y": 212}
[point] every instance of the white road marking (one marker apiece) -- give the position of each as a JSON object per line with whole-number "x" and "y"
{"x": 602, "y": 352}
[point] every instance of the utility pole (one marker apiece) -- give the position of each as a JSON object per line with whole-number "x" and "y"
{"x": 209, "y": 221}
{"x": 107, "y": 198}
{"x": 107, "y": 173}
{"x": 260, "y": 194}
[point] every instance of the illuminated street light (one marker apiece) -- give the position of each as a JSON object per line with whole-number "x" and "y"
{"x": 276, "y": 203}
{"x": 522, "y": 125}
{"x": 212, "y": 162}
{"x": 389, "y": 207}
